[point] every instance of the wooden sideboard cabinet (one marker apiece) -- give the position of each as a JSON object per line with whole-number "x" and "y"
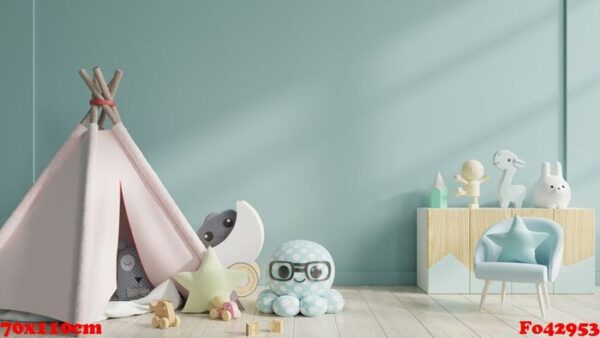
{"x": 446, "y": 241}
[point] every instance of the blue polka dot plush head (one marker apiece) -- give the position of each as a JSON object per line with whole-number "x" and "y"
{"x": 300, "y": 268}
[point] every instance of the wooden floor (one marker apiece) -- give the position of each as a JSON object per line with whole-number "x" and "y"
{"x": 385, "y": 312}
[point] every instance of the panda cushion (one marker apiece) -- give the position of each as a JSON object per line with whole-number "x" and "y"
{"x": 132, "y": 282}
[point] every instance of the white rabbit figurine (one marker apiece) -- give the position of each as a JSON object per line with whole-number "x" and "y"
{"x": 551, "y": 190}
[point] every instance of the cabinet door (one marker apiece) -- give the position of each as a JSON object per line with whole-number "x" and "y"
{"x": 577, "y": 272}
{"x": 448, "y": 250}
{"x": 480, "y": 220}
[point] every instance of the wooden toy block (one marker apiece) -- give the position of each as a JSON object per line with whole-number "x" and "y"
{"x": 277, "y": 326}
{"x": 164, "y": 314}
{"x": 252, "y": 329}
{"x": 439, "y": 194}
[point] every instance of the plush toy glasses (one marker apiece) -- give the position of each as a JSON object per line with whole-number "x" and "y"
{"x": 314, "y": 271}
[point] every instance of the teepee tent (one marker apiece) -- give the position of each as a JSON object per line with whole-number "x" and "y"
{"x": 58, "y": 249}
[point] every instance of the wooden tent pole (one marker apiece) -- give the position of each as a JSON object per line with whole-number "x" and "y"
{"x": 90, "y": 83}
{"x": 113, "y": 86}
{"x": 105, "y": 90}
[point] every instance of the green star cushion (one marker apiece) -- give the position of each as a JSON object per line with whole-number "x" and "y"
{"x": 519, "y": 243}
{"x": 210, "y": 281}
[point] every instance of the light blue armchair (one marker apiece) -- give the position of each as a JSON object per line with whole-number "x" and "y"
{"x": 548, "y": 256}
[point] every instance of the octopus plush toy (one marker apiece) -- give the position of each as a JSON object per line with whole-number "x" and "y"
{"x": 300, "y": 276}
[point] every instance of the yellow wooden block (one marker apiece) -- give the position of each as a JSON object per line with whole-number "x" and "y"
{"x": 480, "y": 220}
{"x": 276, "y": 326}
{"x": 447, "y": 233}
{"x": 252, "y": 329}
{"x": 579, "y": 229}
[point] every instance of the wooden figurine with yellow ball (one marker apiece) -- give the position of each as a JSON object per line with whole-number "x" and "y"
{"x": 164, "y": 314}
{"x": 224, "y": 309}
{"x": 471, "y": 176}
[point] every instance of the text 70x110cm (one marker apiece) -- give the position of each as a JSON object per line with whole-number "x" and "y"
{"x": 55, "y": 328}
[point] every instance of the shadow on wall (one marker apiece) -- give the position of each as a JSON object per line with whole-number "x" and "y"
{"x": 328, "y": 152}
{"x": 493, "y": 43}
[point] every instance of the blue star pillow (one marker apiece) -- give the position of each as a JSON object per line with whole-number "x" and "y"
{"x": 519, "y": 243}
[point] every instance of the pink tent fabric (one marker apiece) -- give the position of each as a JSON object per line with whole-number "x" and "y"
{"x": 58, "y": 249}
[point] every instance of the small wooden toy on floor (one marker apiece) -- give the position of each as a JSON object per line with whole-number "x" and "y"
{"x": 164, "y": 314}
{"x": 471, "y": 175}
{"x": 225, "y": 309}
{"x": 252, "y": 329}
{"x": 276, "y": 326}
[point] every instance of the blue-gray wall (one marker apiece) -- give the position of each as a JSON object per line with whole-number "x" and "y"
{"x": 16, "y": 103}
{"x": 330, "y": 117}
{"x": 583, "y": 107}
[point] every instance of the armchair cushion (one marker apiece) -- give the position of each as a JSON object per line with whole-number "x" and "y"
{"x": 513, "y": 272}
{"x": 519, "y": 243}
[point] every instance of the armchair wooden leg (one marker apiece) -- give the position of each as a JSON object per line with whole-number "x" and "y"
{"x": 503, "y": 294}
{"x": 486, "y": 286}
{"x": 546, "y": 296}
{"x": 541, "y": 299}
